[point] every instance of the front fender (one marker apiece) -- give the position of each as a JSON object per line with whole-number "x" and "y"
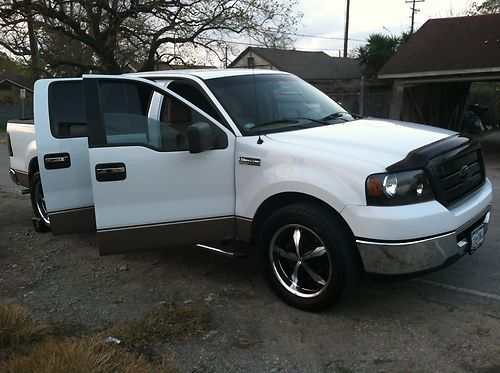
{"x": 338, "y": 181}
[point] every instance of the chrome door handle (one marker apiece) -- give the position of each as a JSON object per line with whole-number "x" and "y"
{"x": 110, "y": 171}
{"x": 56, "y": 160}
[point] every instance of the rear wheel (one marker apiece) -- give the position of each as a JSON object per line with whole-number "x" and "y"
{"x": 38, "y": 203}
{"x": 310, "y": 257}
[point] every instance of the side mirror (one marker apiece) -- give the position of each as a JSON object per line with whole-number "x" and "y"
{"x": 200, "y": 137}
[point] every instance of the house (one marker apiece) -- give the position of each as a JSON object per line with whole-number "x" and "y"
{"x": 12, "y": 106}
{"x": 310, "y": 66}
{"x": 434, "y": 73}
{"x": 339, "y": 78}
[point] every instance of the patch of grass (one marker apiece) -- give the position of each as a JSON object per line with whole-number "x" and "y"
{"x": 19, "y": 331}
{"x": 30, "y": 345}
{"x": 162, "y": 324}
{"x": 80, "y": 355}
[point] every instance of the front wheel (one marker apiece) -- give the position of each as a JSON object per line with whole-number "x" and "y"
{"x": 310, "y": 257}
{"x": 38, "y": 203}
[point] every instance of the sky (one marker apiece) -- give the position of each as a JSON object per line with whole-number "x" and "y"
{"x": 326, "y": 18}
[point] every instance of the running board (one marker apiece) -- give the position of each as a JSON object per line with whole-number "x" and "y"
{"x": 233, "y": 254}
{"x": 25, "y": 191}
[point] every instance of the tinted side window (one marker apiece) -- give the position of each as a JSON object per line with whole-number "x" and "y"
{"x": 67, "y": 109}
{"x": 196, "y": 97}
{"x": 125, "y": 112}
{"x": 125, "y": 107}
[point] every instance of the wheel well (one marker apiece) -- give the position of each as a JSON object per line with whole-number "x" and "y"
{"x": 33, "y": 167}
{"x": 280, "y": 200}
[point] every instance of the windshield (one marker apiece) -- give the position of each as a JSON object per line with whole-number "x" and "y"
{"x": 266, "y": 103}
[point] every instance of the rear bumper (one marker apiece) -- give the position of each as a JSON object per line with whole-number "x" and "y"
{"x": 419, "y": 255}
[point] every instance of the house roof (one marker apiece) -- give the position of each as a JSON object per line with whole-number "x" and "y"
{"x": 19, "y": 80}
{"x": 449, "y": 46}
{"x": 307, "y": 65}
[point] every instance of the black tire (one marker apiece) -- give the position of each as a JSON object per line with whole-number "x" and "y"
{"x": 42, "y": 222}
{"x": 310, "y": 256}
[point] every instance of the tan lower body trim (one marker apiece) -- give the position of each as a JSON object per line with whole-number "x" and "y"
{"x": 73, "y": 221}
{"x": 23, "y": 178}
{"x": 243, "y": 228}
{"x": 115, "y": 241}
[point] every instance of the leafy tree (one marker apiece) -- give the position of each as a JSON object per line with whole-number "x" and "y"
{"x": 378, "y": 50}
{"x": 486, "y": 7}
{"x": 12, "y": 66}
{"x": 113, "y": 36}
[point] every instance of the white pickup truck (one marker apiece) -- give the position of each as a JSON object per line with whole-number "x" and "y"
{"x": 173, "y": 158}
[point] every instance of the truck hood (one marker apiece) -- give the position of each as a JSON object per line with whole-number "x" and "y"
{"x": 381, "y": 142}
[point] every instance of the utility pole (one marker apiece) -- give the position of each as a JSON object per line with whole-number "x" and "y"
{"x": 413, "y": 11}
{"x": 346, "y": 34}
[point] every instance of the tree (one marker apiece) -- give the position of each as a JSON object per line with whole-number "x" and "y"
{"x": 486, "y": 7}
{"x": 113, "y": 36}
{"x": 8, "y": 64}
{"x": 378, "y": 50}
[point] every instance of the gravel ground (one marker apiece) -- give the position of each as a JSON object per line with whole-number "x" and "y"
{"x": 383, "y": 327}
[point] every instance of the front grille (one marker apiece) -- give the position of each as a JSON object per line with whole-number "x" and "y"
{"x": 457, "y": 174}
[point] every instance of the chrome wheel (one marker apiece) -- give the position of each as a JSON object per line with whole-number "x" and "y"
{"x": 300, "y": 261}
{"x": 40, "y": 203}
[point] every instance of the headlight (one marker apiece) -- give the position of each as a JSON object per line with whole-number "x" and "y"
{"x": 401, "y": 188}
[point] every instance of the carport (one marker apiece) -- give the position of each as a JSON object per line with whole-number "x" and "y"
{"x": 432, "y": 73}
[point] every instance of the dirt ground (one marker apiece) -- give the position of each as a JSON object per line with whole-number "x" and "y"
{"x": 385, "y": 326}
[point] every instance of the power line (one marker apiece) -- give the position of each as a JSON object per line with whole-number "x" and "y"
{"x": 262, "y": 45}
{"x": 323, "y": 37}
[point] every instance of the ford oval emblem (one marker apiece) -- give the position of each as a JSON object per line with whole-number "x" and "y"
{"x": 465, "y": 172}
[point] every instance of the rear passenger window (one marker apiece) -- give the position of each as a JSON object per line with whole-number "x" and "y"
{"x": 67, "y": 109}
{"x": 129, "y": 120}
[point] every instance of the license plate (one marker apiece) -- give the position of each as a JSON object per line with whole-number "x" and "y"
{"x": 476, "y": 238}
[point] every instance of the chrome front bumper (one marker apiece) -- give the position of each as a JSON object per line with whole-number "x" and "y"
{"x": 409, "y": 257}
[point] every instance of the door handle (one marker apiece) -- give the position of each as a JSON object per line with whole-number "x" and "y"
{"x": 56, "y": 160}
{"x": 110, "y": 171}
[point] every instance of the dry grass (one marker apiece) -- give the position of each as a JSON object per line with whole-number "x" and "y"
{"x": 80, "y": 355}
{"x": 19, "y": 331}
{"x": 162, "y": 324}
{"x": 29, "y": 345}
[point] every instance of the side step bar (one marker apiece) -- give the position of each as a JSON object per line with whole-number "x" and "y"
{"x": 237, "y": 254}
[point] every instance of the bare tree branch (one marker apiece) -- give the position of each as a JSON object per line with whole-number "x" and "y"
{"x": 110, "y": 35}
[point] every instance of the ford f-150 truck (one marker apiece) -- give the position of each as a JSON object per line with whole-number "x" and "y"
{"x": 173, "y": 158}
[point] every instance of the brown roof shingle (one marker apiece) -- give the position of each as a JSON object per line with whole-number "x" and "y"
{"x": 449, "y": 44}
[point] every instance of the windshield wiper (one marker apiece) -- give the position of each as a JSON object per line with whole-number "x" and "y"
{"x": 289, "y": 121}
{"x": 336, "y": 115}
{"x": 277, "y": 121}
